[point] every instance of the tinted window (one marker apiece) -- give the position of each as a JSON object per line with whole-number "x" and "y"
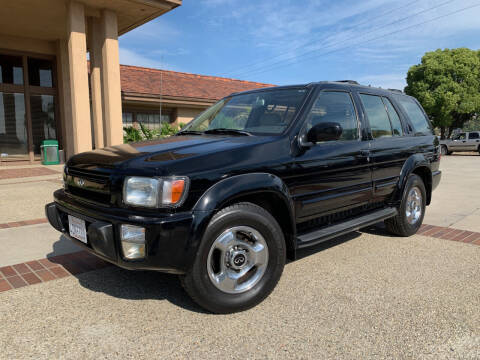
{"x": 335, "y": 106}
{"x": 377, "y": 115}
{"x": 461, "y": 136}
{"x": 394, "y": 118}
{"x": 415, "y": 114}
{"x": 473, "y": 135}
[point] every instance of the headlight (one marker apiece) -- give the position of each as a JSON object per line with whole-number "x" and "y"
{"x": 155, "y": 192}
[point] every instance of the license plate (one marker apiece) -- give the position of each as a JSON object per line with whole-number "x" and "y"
{"x": 77, "y": 228}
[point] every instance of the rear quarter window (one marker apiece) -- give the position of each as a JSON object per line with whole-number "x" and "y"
{"x": 415, "y": 113}
{"x": 473, "y": 135}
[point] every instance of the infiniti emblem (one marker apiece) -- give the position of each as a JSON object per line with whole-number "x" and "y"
{"x": 80, "y": 182}
{"x": 239, "y": 260}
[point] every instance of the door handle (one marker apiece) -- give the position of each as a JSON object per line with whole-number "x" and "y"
{"x": 364, "y": 154}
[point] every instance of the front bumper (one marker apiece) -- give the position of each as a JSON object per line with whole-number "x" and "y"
{"x": 169, "y": 245}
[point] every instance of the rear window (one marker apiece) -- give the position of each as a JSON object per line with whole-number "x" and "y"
{"x": 416, "y": 115}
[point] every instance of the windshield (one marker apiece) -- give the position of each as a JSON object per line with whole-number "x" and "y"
{"x": 263, "y": 112}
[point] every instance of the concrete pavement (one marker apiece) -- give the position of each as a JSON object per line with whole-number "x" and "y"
{"x": 22, "y": 244}
{"x": 456, "y": 201}
{"x": 361, "y": 296}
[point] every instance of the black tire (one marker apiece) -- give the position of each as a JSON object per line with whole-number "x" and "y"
{"x": 399, "y": 225}
{"x": 197, "y": 282}
{"x": 444, "y": 150}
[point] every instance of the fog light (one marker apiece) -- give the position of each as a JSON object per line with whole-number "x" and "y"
{"x": 133, "y": 241}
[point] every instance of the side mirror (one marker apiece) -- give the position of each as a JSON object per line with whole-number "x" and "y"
{"x": 324, "y": 131}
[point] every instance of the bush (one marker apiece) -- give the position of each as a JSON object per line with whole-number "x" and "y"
{"x": 132, "y": 134}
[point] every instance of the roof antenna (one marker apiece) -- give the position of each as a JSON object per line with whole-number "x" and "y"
{"x": 161, "y": 87}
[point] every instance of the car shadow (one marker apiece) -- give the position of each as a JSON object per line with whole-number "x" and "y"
{"x": 147, "y": 285}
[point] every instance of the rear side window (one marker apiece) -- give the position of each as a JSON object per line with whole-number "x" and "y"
{"x": 415, "y": 114}
{"x": 394, "y": 118}
{"x": 335, "y": 106}
{"x": 377, "y": 115}
{"x": 473, "y": 135}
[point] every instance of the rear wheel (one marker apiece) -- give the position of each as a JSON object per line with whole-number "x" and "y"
{"x": 412, "y": 209}
{"x": 239, "y": 262}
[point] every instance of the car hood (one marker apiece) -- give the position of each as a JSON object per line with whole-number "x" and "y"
{"x": 160, "y": 153}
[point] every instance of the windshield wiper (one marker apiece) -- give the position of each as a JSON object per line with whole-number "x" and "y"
{"x": 228, "y": 131}
{"x": 189, "y": 132}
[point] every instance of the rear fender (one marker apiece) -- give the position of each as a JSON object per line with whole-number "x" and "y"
{"x": 415, "y": 163}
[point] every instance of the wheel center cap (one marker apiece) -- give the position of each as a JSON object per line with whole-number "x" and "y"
{"x": 238, "y": 259}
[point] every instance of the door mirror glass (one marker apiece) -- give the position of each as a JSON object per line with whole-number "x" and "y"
{"x": 324, "y": 131}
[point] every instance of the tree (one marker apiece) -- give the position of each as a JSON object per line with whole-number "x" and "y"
{"x": 447, "y": 84}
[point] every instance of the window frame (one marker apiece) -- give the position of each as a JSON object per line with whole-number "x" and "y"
{"x": 303, "y": 131}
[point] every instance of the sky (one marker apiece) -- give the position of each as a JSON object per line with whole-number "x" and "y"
{"x": 298, "y": 41}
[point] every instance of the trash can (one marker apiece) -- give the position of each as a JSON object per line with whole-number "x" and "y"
{"x": 49, "y": 152}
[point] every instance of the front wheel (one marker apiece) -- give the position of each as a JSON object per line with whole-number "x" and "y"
{"x": 444, "y": 150}
{"x": 239, "y": 262}
{"x": 412, "y": 209}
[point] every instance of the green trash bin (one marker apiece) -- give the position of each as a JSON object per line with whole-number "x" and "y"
{"x": 49, "y": 152}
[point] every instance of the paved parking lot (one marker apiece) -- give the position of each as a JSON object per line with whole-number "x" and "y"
{"x": 365, "y": 295}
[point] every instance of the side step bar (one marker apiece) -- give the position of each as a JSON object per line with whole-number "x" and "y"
{"x": 327, "y": 233}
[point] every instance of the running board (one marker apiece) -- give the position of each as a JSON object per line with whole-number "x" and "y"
{"x": 327, "y": 233}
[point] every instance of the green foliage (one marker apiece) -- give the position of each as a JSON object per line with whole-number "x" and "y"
{"x": 447, "y": 84}
{"x": 132, "y": 134}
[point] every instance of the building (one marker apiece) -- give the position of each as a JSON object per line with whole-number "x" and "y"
{"x": 48, "y": 90}
{"x": 182, "y": 95}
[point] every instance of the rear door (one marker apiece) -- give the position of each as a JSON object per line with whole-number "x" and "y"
{"x": 332, "y": 176}
{"x": 390, "y": 146}
{"x": 473, "y": 140}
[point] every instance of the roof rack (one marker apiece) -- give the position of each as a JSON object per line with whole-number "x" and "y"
{"x": 348, "y": 82}
{"x": 396, "y": 90}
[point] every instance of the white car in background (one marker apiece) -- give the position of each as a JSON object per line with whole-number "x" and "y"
{"x": 463, "y": 141}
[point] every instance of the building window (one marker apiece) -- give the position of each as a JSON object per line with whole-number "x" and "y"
{"x": 27, "y": 105}
{"x": 150, "y": 119}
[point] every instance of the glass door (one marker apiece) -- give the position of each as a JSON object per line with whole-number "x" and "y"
{"x": 27, "y": 106}
{"x": 13, "y": 120}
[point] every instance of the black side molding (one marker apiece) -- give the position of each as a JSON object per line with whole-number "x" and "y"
{"x": 329, "y": 232}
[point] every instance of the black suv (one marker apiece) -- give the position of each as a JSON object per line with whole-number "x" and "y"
{"x": 252, "y": 179}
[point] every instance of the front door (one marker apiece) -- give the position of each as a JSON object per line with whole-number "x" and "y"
{"x": 459, "y": 142}
{"x": 332, "y": 176}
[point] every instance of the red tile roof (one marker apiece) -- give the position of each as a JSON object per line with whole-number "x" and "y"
{"x": 178, "y": 84}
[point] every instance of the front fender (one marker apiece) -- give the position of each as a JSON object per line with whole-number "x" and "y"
{"x": 226, "y": 191}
